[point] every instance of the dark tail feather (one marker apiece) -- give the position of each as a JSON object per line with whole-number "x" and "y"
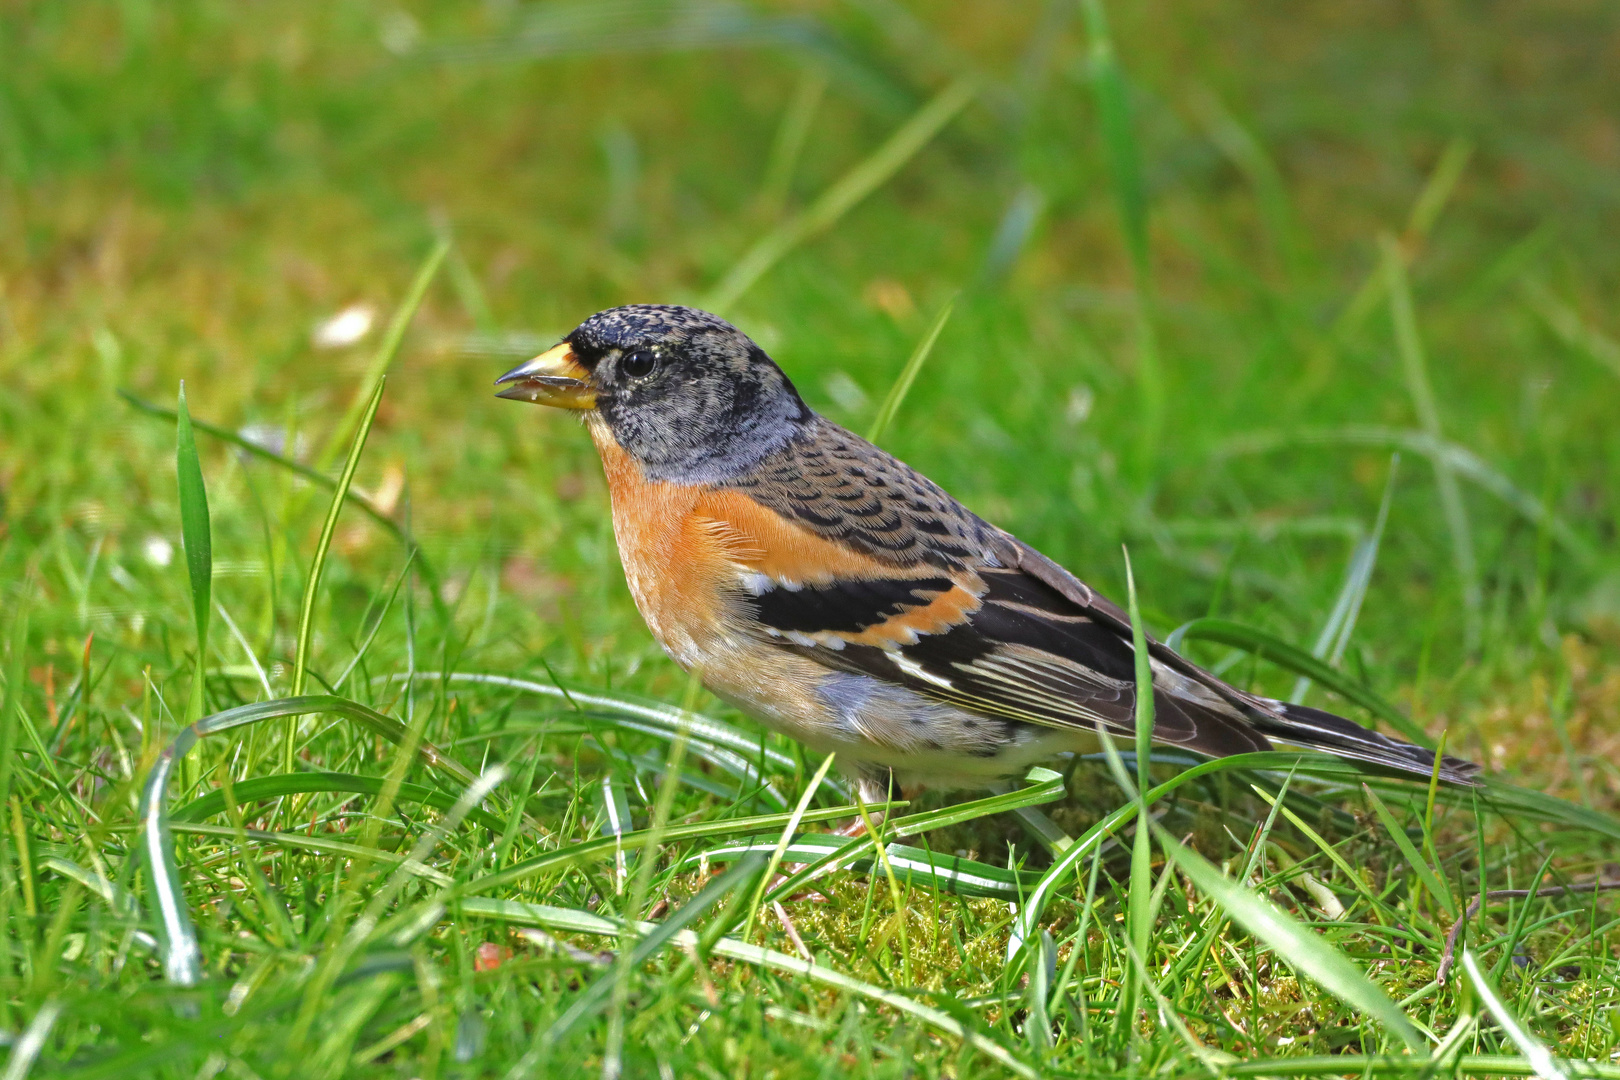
{"x": 1305, "y": 726}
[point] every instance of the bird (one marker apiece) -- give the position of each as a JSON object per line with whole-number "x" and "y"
{"x": 834, "y": 593}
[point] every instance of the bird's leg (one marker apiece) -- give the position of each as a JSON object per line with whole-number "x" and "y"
{"x": 857, "y": 827}
{"x": 871, "y": 788}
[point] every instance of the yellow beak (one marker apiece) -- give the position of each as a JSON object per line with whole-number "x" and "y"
{"x": 555, "y": 377}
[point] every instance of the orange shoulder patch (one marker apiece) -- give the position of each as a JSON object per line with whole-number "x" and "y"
{"x": 767, "y": 543}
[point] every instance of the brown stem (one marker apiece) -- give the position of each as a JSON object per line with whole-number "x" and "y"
{"x": 1448, "y": 956}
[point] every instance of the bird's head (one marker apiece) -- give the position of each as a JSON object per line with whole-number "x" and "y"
{"x": 683, "y": 392}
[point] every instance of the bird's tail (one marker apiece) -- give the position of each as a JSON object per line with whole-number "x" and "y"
{"x": 1305, "y": 726}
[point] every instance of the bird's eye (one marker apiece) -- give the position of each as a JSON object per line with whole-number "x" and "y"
{"x": 639, "y": 364}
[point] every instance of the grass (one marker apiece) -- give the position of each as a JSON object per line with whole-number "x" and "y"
{"x": 448, "y": 811}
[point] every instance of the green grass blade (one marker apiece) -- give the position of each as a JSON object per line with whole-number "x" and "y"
{"x": 177, "y": 937}
{"x": 1246, "y": 152}
{"x": 791, "y": 135}
{"x": 1335, "y": 636}
{"x": 377, "y": 370}
{"x": 913, "y": 866}
{"x": 1124, "y": 161}
{"x": 1322, "y": 845}
{"x": 1464, "y": 462}
{"x": 1510, "y": 800}
{"x": 280, "y": 708}
{"x": 1307, "y": 951}
{"x": 1567, "y": 325}
{"x": 781, "y": 844}
{"x": 1420, "y": 866}
{"x": 595, "y": 996}
{"x": 319, "y": 479}
{"x": 584, "y": 922}
{"x": 1139, "y": 907}
{"x": 11, "y": 694}
{"x": 1534, "y": 1051}
{"x": 667, "y": 718}
{"x": 1414, "y": 364}
{"x": 199, "y": 545}
{"x": 1437, "y": 191}
{"x": 1119, "y": 137}
{"x": 908, "y": 374}
{"x": 1300, "y": 662}
{"x": 181, "y": 953}
{"x": 1045, "y": 786}
{"x": 29, "y": 1044}
{"x": 317, "y": 566}
{"x": 1358, "y": 1065}
{"x": 264, "y": 788}
{"x": 866, "y": 177}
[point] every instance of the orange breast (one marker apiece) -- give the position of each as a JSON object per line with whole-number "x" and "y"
{"x": 672, "y": 564}
{"x": 684, "y": 549}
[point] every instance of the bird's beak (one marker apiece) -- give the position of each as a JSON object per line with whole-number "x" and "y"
{"x": 555, "y": 377}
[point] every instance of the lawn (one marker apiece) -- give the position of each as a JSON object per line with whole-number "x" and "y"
{"x": 1308, "y": 307}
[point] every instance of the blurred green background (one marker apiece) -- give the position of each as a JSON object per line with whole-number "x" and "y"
{"x": 1216, "y": 263}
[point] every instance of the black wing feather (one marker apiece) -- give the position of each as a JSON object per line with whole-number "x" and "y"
{"x": 1042, "y": 647}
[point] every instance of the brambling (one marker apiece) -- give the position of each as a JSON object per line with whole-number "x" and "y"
{"x": 844, "y": 599}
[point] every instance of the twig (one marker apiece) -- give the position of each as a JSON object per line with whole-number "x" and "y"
{"x": 1448, "y": 956}
{"x": 792, "y": 931}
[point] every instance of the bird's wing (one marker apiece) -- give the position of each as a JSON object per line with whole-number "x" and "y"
{"x": 931, "y": 597}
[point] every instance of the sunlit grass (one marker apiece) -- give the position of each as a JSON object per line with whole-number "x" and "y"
{"x": 453, "y": 813}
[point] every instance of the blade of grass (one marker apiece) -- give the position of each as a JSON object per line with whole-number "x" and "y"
{"x": 908, "y": 375}
{"x": 1358, "y": 1065}
{"x": 1124, "y": 160}
{"x": 1437, "y": 191}
{"x": 181, "y": 954}
{"x": 1464, "y": 462}
{"x": 199, "y": 547}
{"x": 377, "y": 370}
{"x": 1568, "y": 326}
{"x": 1044, "y": 786}
{"x": 300, "y": 842}
{"x": 28, "y": 1045}
{"x": 1307, "y": 951}
{"x": 265, "y": 788}
{"x": 612, "y": 1057}
{"x": 1316, "y": 838}
{"x": 913, "y": 866}
{"x": 788, "y": 830}
{"x": 791, "y": 134}
{"x": 1431, "y": 881}
{"x": 594, "y": 997}
{"x": 1246, "y": 152}
{"x": 319, "y": 479}
{"x": 583, "y": 922}
{"x": 875, "y": 831}
{"x": 666, "y": 717}
{"x": 11, "y": 693}
{"x": 1139, "y": 914}
{"x": 867, "y": 176}
{"x": 1409, "y": 345}
{"x": 1297, "y": 660}
{"x": 341, "y": 945}
{"x": 1540, "y": 1059}
{"x": 1335, "y": 636}
{"x": 317, "y": 566}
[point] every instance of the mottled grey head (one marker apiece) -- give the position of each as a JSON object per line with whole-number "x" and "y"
{"x": 685, "y": 393}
